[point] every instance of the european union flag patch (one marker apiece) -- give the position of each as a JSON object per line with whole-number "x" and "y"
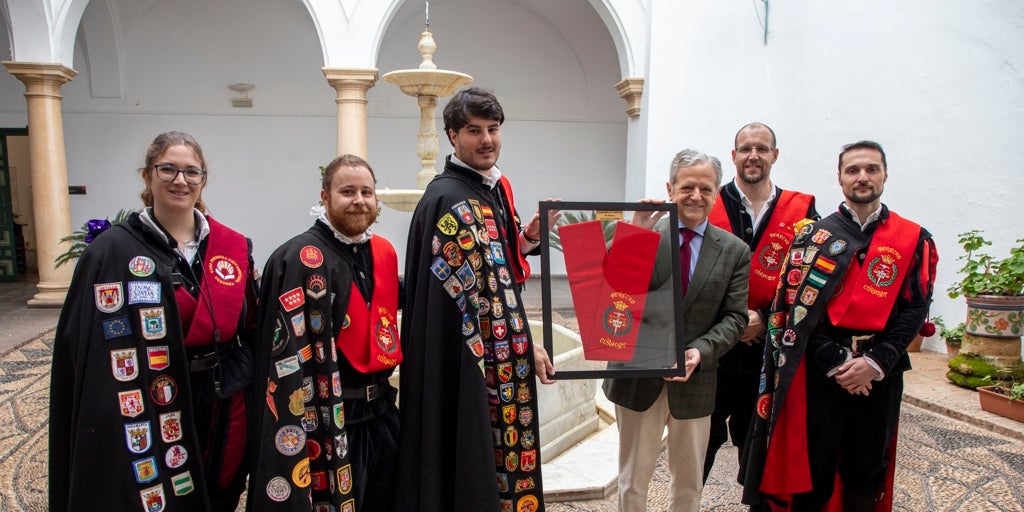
{"x": 116, "y": 327}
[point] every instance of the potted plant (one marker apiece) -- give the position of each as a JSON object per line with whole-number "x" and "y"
{"x": 81, "y": 237}
{"x": 994, "y": 292}
{"x": 953, "y": 337}
{"x": 1007, "y": 398}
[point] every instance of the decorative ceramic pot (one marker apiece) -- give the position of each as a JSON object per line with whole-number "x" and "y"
{"x": 994, "y": 327}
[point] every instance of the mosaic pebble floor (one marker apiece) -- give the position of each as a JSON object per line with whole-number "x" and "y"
{"x": 943, "y": 464}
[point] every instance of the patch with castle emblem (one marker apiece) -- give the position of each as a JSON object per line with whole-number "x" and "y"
{"x": 311, "y": 256}
{"x": 141, "y": 266}
{"x": 109, "y": 297}
{"x": 125, "y": 364}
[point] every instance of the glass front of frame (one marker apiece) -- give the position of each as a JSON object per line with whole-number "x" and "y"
{"x": 612, "y": 270}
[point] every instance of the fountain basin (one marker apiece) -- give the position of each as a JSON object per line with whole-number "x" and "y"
{"x": 568, "y": 410}
{"x": 427, "y": 82}
{"x": 403, "y": 200}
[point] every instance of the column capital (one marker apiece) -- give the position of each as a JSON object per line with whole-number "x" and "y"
{"x": 339, "y": 78}
{"x": 631, "y": 89}
{"x": 351, "y": 85}
{"x": 40, "y": 72}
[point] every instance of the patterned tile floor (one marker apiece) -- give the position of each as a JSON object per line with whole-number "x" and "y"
{"x": 943, "y": 464}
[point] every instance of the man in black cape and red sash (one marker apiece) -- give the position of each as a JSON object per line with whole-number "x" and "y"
{"x": 470, "y": 431}
{"x": 855, "y": 290}
{"x": 765, "y": 217}
{"x": 326, "y": 428}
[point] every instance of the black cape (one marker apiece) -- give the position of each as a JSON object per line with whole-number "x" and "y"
{"x": 470, "y": 432}
{"x": 307, "y": 440}
{"x": 105, "y": 453}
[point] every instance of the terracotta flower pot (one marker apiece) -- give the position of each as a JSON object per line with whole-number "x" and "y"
{"x": 952, "y": 350}
{"x": 915, "y": 344}
{"x": 998, "y": 403}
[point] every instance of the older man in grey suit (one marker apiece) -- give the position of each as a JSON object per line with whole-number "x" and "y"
{"x": 714, "y": 308}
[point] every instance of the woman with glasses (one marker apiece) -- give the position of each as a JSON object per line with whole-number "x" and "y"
{"x": 151, "y": 357}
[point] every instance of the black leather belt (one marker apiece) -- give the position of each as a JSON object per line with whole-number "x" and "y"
{"x": 369, "y": 393}
{"x": 210, "y": 360}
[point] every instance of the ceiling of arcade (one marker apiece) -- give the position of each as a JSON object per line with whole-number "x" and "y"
{"x": 547, "y": 60}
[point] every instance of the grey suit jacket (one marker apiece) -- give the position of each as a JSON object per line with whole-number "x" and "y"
{"x": 714, "y": 316}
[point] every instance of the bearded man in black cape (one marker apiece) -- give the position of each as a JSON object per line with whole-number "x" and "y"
{"x": 469, "y": 395}
{"x": 327, "y": 427}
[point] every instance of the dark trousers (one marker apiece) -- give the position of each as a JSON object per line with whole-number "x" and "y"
{"x": 735, "y": 399}
{"x": 850, "y": 433}
{"x": 373, "y": 449}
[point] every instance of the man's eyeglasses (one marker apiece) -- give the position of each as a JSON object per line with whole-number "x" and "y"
{"x": 168, "y": 173}
{"x": 746, "y": 150}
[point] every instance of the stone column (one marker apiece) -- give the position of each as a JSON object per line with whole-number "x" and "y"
{"x": 50, "y": 205}
{"x": 351, "y": 85}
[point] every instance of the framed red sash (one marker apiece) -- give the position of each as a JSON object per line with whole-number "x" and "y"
{"x": 609, "y": 287}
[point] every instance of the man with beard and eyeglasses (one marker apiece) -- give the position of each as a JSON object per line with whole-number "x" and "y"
{"x": 765, "y": 217}
{"x": 327, "y": 427}
{"x": 858, "y": 287}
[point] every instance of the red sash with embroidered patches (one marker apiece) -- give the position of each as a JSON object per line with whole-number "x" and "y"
{"x": 874, "y": 285}
{"x": 520, "y": 266}
{"x": 787, "y": 469}
{"x": 609, "y": 288}
{"x": 225, "y": 274}
{"x": 766, "y": 260}
{"x": 369, "y": 336}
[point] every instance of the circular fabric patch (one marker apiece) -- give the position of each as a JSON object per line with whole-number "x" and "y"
{"x": 278, "y": 489}
{"x": 176, "y": 456}
{"x": 764, "y": 406}
{"x": 300, "y": 473}
{"x": 311, "y": 256}
{"x": 290, "y": 439}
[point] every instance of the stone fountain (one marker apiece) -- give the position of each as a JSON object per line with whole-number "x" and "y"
{"x": 427, "y": 84}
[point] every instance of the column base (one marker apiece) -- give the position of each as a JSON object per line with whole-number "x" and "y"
{"x": 50, "y": 295}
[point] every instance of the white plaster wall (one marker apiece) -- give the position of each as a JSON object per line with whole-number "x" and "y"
{"x": 938, "y": 84}
{"x": 564, "y": 135}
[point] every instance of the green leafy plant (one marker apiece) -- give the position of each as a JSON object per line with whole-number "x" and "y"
{"x": 81, "y": 237}
{"x": 1010, "y": 382}
{"x": 985, "y": 275}
{"x": 571, "y": 217}
{"x": 953, "y": 336}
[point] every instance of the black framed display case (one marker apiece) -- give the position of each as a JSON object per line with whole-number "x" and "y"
{"x": 622, "y": 285}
